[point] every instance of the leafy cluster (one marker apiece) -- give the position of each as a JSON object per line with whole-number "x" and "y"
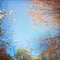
{"x": 4, "y": 55}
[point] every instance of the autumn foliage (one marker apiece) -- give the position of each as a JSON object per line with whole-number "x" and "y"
{"x": 4, "y": 55}
{"x": 52, "y": 47}
{"x": 47, "y": 12}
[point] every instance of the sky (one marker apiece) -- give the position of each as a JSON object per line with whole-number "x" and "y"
{"x": 24, "y": 33}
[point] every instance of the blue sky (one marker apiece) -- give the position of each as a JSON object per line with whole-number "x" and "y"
{"x": 24, "y": 34}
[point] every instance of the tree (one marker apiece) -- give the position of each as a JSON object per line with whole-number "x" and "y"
{"x": 22, "y": 54}
{"x": 4, "y": 55}
{"x": 47, "y": 13}
{"x": 52, "y": 50}
{"x": 5, "y": 38}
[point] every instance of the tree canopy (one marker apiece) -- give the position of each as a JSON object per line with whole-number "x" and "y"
{"x": 22, "y": 54}
{"x": 4, "y": 55}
